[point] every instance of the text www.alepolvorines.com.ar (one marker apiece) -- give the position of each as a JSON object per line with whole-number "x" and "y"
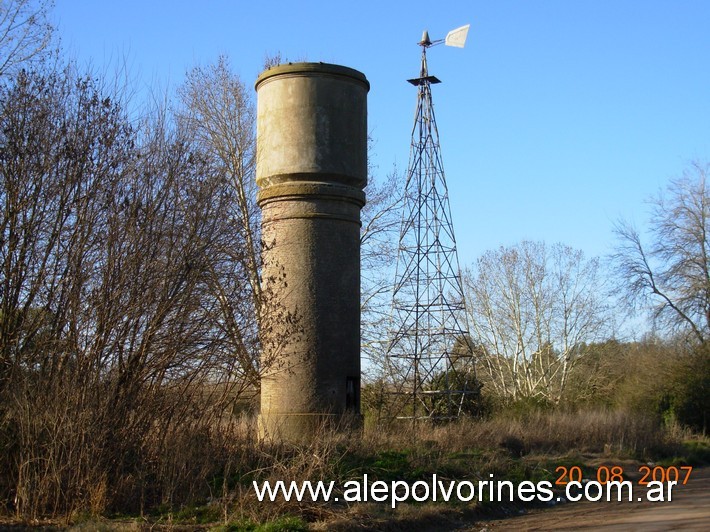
{"x": 397, "y": 491}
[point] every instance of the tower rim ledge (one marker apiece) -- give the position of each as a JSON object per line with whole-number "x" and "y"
{"x": 312, "y": 68}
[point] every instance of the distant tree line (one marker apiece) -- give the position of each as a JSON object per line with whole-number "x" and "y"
{"x": 545, "y": 320}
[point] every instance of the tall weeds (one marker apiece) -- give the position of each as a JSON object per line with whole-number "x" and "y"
{"x": 69, "y": 465}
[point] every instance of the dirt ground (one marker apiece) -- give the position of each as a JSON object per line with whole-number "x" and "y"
{"x": 689, "y": 510}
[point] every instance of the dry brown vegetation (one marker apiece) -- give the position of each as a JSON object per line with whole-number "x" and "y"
{"x": 126, "y": 316}
{"x": 79, "y": 444}
{"x": 196, "y": 471}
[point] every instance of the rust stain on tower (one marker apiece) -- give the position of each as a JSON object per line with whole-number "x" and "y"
{"x": 311, "y": 171}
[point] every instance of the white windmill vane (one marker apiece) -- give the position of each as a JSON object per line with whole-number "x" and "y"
{"x": 456, "y": 38}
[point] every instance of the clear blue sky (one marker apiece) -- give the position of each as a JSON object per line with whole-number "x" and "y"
{"x": 559, "y": 116}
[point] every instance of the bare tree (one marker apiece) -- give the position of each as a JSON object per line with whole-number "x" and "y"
{"x": 672, "y": 274}
{"x": 532, "y": 307}
{"x": 381, "y": 218}
{"x": 63, "y": 151}
{"x": 25, "y": 32}
{"x": 111, "y": 331}
{"x": 218, "y": 112}
{"x": 130, "y": 291}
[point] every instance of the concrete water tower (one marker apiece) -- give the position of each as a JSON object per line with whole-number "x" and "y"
{"x": 311, "y": 171}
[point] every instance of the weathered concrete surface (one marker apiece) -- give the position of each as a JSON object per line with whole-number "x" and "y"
{"x": 311, "y": 169}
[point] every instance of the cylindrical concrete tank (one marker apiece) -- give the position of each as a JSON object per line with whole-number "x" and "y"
{"x": 311, "y": 171}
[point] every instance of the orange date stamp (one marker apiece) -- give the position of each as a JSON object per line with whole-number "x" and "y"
{"x": 605, "y": 474}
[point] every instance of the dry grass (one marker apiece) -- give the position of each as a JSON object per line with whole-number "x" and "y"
{"x": 203, "y": 474}
{"x": 468, "y": 449}
{"x": 593, "y": 431}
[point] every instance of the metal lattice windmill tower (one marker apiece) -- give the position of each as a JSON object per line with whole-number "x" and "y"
{"x": 429, "y": 354}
